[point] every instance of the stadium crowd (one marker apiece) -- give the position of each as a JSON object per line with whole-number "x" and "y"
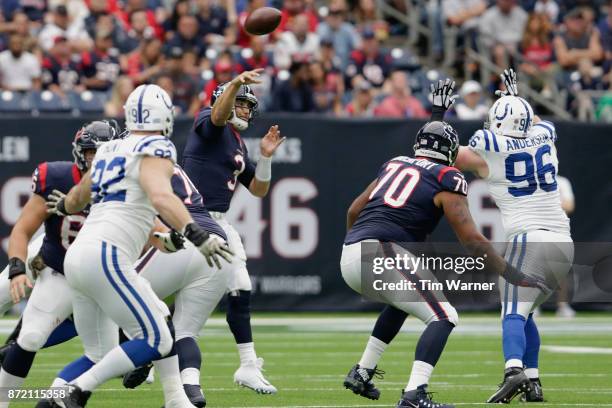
{"x": 335, "y": 57}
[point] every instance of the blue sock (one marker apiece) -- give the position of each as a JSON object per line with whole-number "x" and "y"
{"x": 388, "y": 324}
{"x": 432, "y": 342}
{"x": 62, "y": 333}
{"x": 532, "y": 350}
{"x": 75, "y": 369}
{"x": 18, "y": 361}
{"x": 239, "y": 316}
{"x": 514, "y": 337}
{"x": 188, "y": 353}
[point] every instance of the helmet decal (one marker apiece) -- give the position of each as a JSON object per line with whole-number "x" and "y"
{"x": 505, "y": 111}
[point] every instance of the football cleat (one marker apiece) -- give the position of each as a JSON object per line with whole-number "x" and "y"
{"x": 4, "y": 349}
{"x": 250, "y": 376}
{"x": 536, "y": 394}
{"x": 76, "y": 397}
{"x": 137, "y": 376}
{"x": 359, "y": 380}
{"x": 420, "y": 398}
{"x": 195, "y": 395}
{"x": 151, "y": 377}
{"x": 515, "y": 382}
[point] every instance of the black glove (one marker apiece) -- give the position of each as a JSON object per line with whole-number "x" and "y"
{"x": 508, "y": 77}
{"x": 442, "y": 98}
{"x": 16, "y": 267}
{"x": 172, "y": 241}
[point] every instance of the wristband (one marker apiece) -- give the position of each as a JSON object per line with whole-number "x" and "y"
{"x": 195, "y": 234}
{"x": 263, "y": 171}
{"x": 16, "y": 267}
{"x": 437, "y": 113}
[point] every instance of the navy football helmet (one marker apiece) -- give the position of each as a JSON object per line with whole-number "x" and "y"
{"x": 91, "y": 136}
{"x": 245, "y": 93}
{"x": 437, "y": 140}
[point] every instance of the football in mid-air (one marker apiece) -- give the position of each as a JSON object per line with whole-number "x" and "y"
{"x": 262, "y": 21}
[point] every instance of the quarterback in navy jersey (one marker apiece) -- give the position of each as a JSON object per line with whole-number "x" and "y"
{"x": 216, "y": 159}
{"x": 50, "y": 302}
{"x": 404, "y": 204}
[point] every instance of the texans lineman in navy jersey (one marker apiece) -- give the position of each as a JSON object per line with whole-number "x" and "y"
{"x": 216, "y": 159}
{"x": 50, "y": 302}
{"x": 429, "y": 188}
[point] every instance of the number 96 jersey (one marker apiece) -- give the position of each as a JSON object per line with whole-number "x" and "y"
{"x": 523, "y": 178}
{"x": 401, "y": 206}
{"x": 121, "y": 213}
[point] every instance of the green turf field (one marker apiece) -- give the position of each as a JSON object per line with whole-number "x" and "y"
{"x": 307, "y": 358}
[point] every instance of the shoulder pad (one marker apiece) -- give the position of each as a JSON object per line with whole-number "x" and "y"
{"x": 156, "y": 146}
{"x": 546, "y": 127}
{"x": 484, "y": 140}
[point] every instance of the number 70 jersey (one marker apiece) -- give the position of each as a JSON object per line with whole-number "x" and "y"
{"x": 523, "y": 178}
{"x": 121, "y": 213}
{"x": 401, "y": 206}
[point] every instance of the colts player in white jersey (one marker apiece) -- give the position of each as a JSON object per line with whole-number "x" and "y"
{"x": 129, "y": 185}
{"x": 516, "y": 155}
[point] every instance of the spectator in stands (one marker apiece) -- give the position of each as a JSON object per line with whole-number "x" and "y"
{"x": 19, "y": 69}
{"x": 180, "y": 9}
{"x": 295, "y": 93}
{"x": 548, "y": 7}
{"x": 342, "y": 33}
{"x": 101, "y": 65}
{"x": 122, "y": 88}
{"x": 362, "y": 103}
{"x": 130, "y": 6}
{"x": 244, "y": 38}
{"x": 297, "y": 41}
{"x": 463, "y": 13}
{"x": 21, "y": 25}
{"x": 60, "y": 25}
{"x": 60, "y": 72}
{"x": 328, "y": 57}
{"x": 100, "y": 19}
{"x": 34, "y": 9}
{"x": 256, "y": 56}
{"x": 191, "y": 65}
{"x": 145, "y": 63}
{"x": 471, "y": 107}
{"x": 605, "y": 31}
{"x": 217, "y": 25}
{"x": 184, "y": 86}
{"x": 400, "y": 103}
{"x": 537, "y": 52}
{"x": 327, "y": 88}
{"x": 188, "y": 36}
{"x": 293, "y": 8}
{"x": 224, "y": 70}
{"x": 585, "y": 79}
{"x": 370, "y": 61}
{"x": 139, "y": 31}
{"x": 501, "y": 29}
{"x": 577, "y": 41}
{"x": 365, "y": 16}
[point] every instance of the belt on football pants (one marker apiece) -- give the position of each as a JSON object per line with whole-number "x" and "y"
{"x": 216, "y": 215}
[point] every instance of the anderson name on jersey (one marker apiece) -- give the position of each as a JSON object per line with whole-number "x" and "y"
{"x": 121, "y": 213}
{"x": 401, "y": 206}
{"x": 522, "y": 178}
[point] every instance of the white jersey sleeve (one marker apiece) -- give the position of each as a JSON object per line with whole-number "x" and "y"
{"x": 156, "y": 146}
{"x": 486, "y": 144}
{"x": 546, "y": 128}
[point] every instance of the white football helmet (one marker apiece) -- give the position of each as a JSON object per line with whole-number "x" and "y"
{"x": 149, "y": 108}
{"x": 510, "y": 116}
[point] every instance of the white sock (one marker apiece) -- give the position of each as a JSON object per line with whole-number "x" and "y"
{"x": 169, "y": 376}
{"x": 372, "y": 353}
{"x": 532, "y": 373}
{"x": 58, "y": 382}
{"x": 8, "y": 381}
{"x": 190, "y": 375}
{"x": 514, "y": 362}
{"x": 115, "y": 363}
{"x": 420, "y": 374}
{"x": 246, "y": 352}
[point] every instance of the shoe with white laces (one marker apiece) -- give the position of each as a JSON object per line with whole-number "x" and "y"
{"x": 250, "y": 375}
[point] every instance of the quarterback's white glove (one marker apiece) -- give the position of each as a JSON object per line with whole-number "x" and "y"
{"x": 55, "y": 203}
{"x": 508, "y": 77}
{"x": 211, "y": 246}
{"x": 172, "y": 241}
{"x": 442, "y": 94}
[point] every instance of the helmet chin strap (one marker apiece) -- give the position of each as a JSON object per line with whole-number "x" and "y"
{"x": 238, "y": 123}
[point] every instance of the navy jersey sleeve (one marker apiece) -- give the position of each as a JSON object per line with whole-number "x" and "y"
{"x": 249, "y": 170}
{"x": 452, "y": 180}
{"x": 204, "y": 127}
{"x": 40, "y": 180}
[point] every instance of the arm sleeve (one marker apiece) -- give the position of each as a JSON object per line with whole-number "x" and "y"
{"x": 40, "y": 180}
{"x": 156, "y": 146}
{"x": 484, "y": 142}
{"x": 452, "y": 180}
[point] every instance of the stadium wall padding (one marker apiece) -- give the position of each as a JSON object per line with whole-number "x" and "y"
{"x": 294, "y": 237}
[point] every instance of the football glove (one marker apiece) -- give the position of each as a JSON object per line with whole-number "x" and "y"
{"x": 508, "y": 77}
{"x": 442, "y": 94}
{"x": 518, "y": 278}
{"x": 172, "y": 241}
{"x": 211, "y": 246}
{"x": 55, "y": 203}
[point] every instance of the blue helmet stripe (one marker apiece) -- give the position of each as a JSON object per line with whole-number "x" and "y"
{"x": 139, "y": 115}
{"x": 524, "y": 102}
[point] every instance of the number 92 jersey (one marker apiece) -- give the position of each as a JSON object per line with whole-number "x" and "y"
{"x": 401, "y": 206}
{"x": 121, "y": 213}
{"x": 522, "y": 178}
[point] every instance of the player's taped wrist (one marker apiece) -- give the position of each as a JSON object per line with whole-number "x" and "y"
{"x": 16, "y": 267}
{"x": 437, "y": 113}
{"x": 194, "y": 233}
{"x": 263, "y": 170}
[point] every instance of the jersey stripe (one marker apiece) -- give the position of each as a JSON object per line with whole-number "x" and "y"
{"x": 519, "y": 265}
{"x": 510, "y": 261}
{"x": 139, "y": 116}
{"x": 495, "y": 145}
{"x": 76, "y": 174}
{"x": 486, "y": 138}
{"x": 146, "y": 141}
{"x": 548, "y": 128}
{"x": 444, "y": 171}
{"x": 42, "y": 177}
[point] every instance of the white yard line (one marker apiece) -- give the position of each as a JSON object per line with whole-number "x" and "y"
{"x": 577, "y": 349}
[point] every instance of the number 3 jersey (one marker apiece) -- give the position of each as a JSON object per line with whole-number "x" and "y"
{"x": 121, "y": 213}
{"x": 522, "y": 178}
{"x": 59, "y": 231}
{"x": 401, "y": 207}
